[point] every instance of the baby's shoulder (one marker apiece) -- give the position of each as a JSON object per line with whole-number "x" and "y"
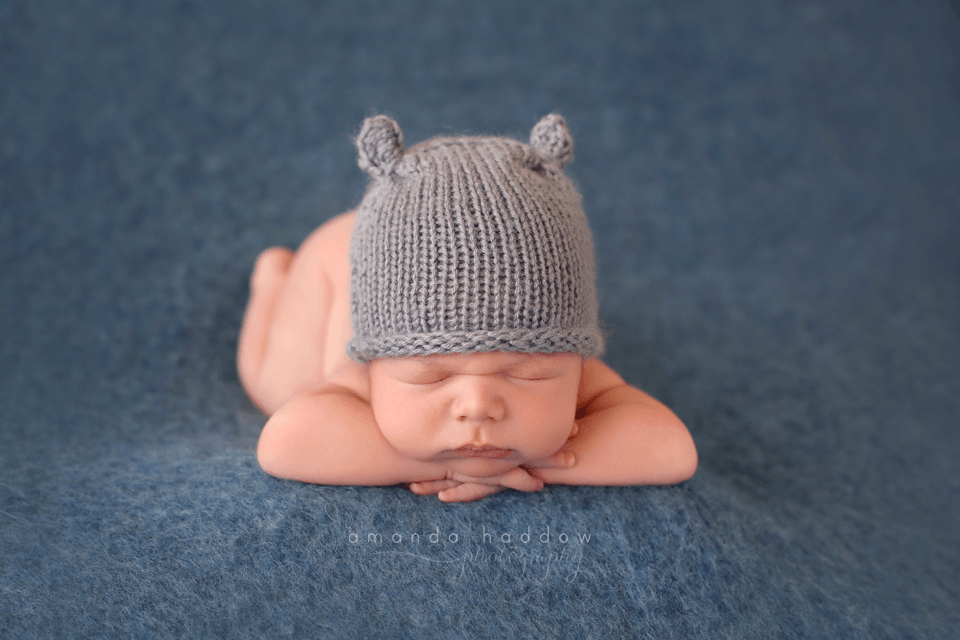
{"x": 352, "y": 377}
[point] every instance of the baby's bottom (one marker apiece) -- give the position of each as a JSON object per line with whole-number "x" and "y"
{"x": 297, "y": 321}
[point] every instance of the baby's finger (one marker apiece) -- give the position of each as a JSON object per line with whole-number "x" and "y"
{"x": 559, "y": 460}
{"x": 468, "y": 492}
{"x": 521, "y": 480}
{"x": 430, "y": 487}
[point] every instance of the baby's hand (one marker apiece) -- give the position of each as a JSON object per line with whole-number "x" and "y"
{"x": 453, "y": 490}
{"x": 462, "y": 488}
{"x": 456, "y": 491}
{"x": 560, "y": 460}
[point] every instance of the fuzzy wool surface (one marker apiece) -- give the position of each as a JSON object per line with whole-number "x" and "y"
{"x": 773, "y": 189}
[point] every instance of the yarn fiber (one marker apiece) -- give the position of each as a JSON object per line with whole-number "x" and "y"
{"x": 471, "y": 244}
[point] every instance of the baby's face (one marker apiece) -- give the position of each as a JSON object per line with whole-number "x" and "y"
{"x": 480, "y": 413}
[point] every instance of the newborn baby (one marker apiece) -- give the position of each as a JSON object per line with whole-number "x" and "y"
{"x": 445, "y": 334}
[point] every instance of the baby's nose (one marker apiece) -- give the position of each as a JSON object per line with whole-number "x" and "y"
{"x": 478, "y": 400}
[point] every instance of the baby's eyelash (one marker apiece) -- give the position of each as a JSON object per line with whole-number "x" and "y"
{"x": 531, "y": 377}
{"x": 429, "y": 379}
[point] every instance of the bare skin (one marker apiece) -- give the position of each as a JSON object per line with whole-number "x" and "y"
{"x": 462, "y": 426}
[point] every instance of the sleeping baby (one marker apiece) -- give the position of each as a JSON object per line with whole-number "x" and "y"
{"x": 445, "y": 334}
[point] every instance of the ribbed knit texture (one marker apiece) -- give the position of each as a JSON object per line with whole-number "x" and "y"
{"x": 471, "y": 244}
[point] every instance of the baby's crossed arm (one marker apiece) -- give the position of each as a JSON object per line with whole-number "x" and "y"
{"x": 625, "y": 437}
{"x": 622, "y": 437}
{"x": 330, "y": 436}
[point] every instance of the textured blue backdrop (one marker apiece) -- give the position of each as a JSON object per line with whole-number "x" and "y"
{"x": 774, "y": 192}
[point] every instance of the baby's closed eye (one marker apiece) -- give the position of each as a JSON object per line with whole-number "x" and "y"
{"x": 424, "y": 378}
{"x": 532, "y": 374}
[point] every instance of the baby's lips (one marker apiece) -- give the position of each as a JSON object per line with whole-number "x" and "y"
{"x": 482, "y": 452}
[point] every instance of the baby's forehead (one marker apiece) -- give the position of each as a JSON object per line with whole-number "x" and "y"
{"x": 479, "y": 362}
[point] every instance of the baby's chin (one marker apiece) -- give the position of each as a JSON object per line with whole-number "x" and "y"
{"x": 481, "y": 467}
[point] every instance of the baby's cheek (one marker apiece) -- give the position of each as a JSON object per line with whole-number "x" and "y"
{"x": 406, "y": 431}
{"x": 546, "y": 437}
{"x": 390, "y": 423}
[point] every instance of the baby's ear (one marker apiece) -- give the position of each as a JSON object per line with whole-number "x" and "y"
{"x": 552, "y": 140}
{"x": 379, "y": 145}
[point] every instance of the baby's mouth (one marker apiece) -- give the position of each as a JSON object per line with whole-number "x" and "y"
{"x": 485, "y": 451}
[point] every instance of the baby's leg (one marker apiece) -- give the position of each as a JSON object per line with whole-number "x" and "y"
{"x": 267, "y": 278}
{"x": 288, "y": 326}
{"x": 266, "y": 284}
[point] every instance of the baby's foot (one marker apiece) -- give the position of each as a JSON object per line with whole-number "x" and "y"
{"x": 270, "y": 270}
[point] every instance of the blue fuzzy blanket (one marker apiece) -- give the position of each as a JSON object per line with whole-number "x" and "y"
{"x": 774, "y": 189}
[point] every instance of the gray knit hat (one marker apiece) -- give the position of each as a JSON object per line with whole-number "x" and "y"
{"x": 471, "y": 244}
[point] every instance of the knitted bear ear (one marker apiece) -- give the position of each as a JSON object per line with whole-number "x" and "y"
{"x": 379, "y": 145}
{"x": 552, "y": 140}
